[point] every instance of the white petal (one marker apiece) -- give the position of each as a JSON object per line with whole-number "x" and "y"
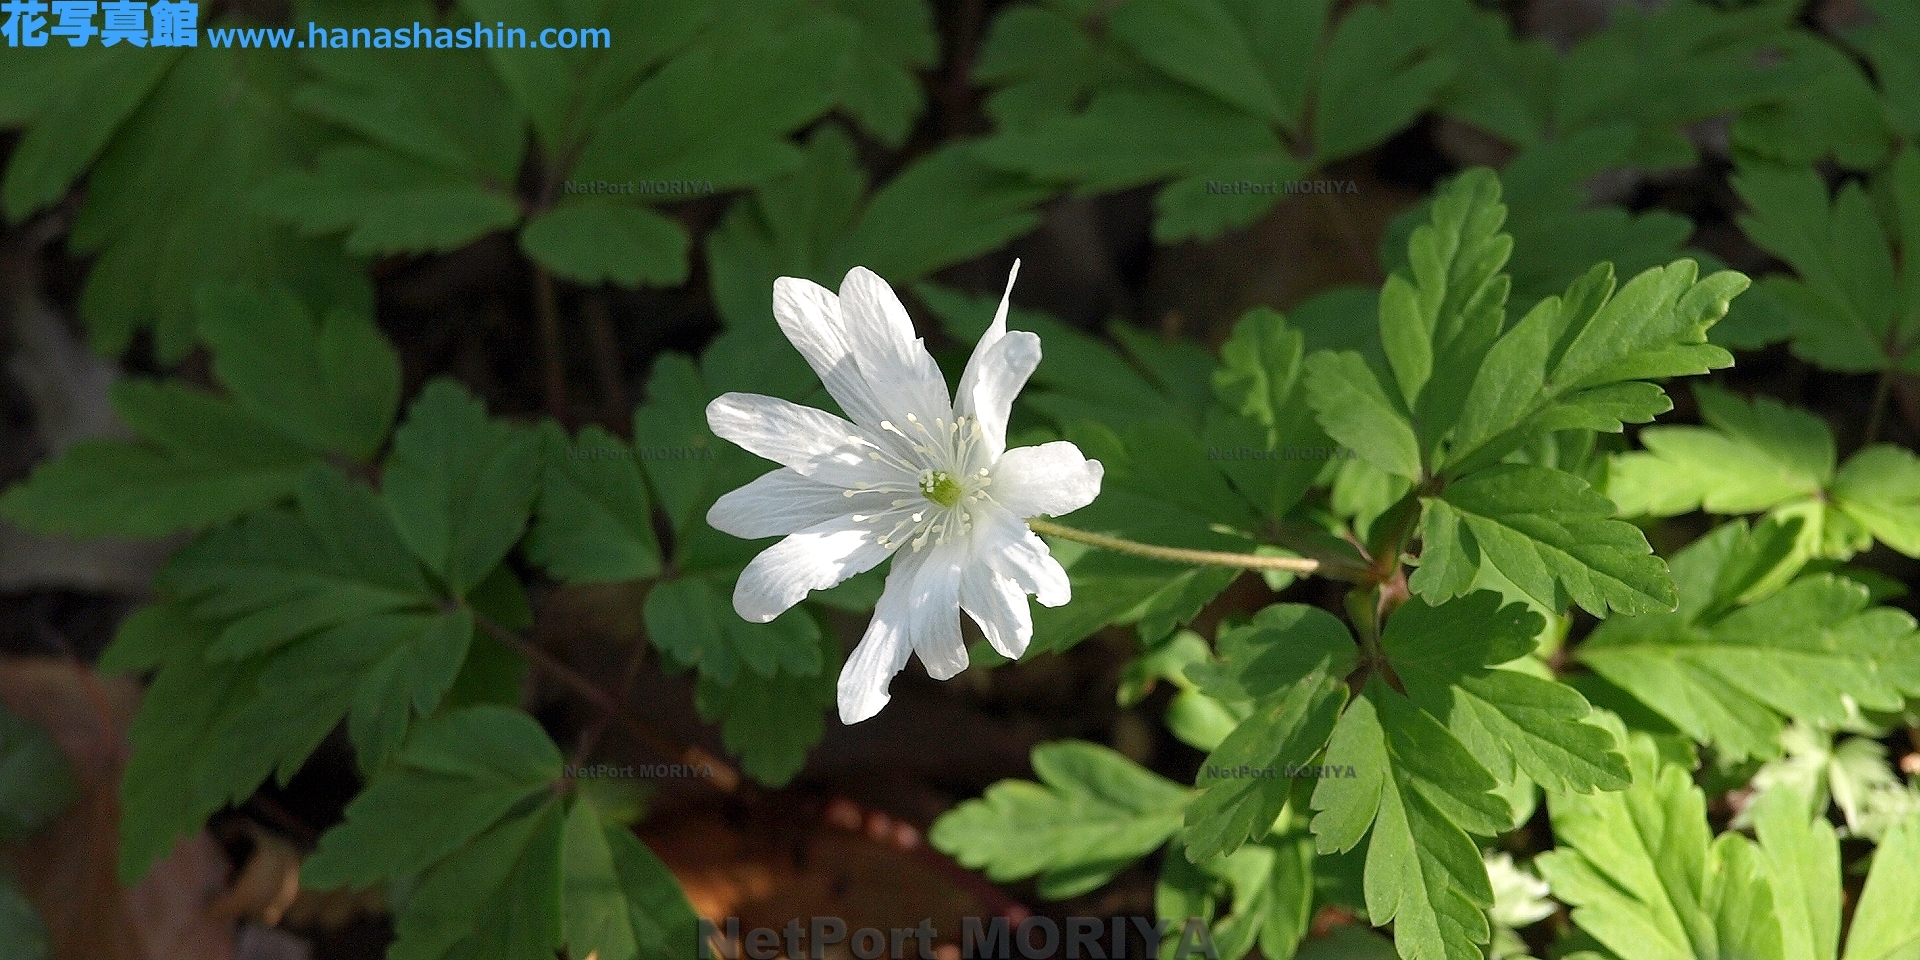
{"x": 1049, "y": 480}
{"x": 783, "y": 502}
{"x": 935, "y": 627}
{"x": 995, "y": 330}
{"x": 809, "y": 314}
{"x": 779, "y": 430}
{"x": 882, "y": 652}
{"x": 1005, "y": 543}
{"x": 815, "y": 444}
{"x": 1003, "y": 371}
{"x": 816, "y": 558}
{"x": 896, "y": 363}
{"x": 999, "y": 606}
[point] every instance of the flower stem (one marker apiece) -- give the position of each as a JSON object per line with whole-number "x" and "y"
{"x": 1211, "y": 558}
{"x": 723, "y": 775}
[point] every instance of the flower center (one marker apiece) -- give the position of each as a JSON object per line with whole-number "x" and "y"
{"x": 940, "y": 487}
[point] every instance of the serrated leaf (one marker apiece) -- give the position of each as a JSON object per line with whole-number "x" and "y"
{"x": 1643, "y": 879}
{"x": 1261, "y": 386}
{"x": 1510, "y": 721}
{"x": 690, "y": 620}
{"x": 386, "y": 204}
{"x": 1880, "y": 489}
{"x": 459, "y": 486}
{"x": 1801, "y": 652}
{"x": 1579, "y": 361}
{"x": 565, "y": 93}
{"x": 1752, "y": 457}
{"x": 201, "y": 460}
{"x": 772, "y": 720}
{"x": 595, "y": 240}
{"x": 1416, "y": 794}
{"x": 1291, "y": 661}
{"x": 1884, "y": 924}
{"x": 1547, "y": 532}
{"x": 1357, "y": 413}
{"x": 1092, "y": 813}
{"x": 1855, "y": 307}
{"x": 1200, "y": 93}
{"x": 472, "y": 767}
{"x": 820, "y": 221}
{"x": 680, "y": 124}
{"x": 593, "y": 522}
{"x": 335, "y": 385}
{"x": 73, "y": 102}
{"x": 167, "y": 791}
{"x": 207, "y": 161}
{"x": 280, "y": 575}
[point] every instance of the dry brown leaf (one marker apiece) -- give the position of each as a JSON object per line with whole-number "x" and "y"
{"x": 68, "y": 869}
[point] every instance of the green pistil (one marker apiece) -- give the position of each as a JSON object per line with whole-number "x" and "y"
{"x": 941, "y": 489}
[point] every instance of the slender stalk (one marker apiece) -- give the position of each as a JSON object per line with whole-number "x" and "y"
{"x": 552, "y": 361}
{"x": 1211, "y": 558}
{"x": 1881, "y": 392}
{"x": 724, "y": 776}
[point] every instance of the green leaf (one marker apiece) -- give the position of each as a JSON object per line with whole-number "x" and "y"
{"x": 595, "y": 240}
{"x": 1856, "y": 308}
{"x": 463, "y": 129}
{"x": 73, "y": 102}
{"x": 772, "y": 720}
{"x": 1357, "y": 413}
{"x": 200, "y": 460}
{"x": 1583, "y": 360}
{"x": 1200, "y": 43}
{"x": 212, "y": 131}
{"x": 1800, "y": 652}
{"x": 1511, "y": 721}
{"x": 566, "y": 93}
{"x": 1416, "y": 794}
{"x": 1884, "y": 925}
{"x": 1264, "y": 395}
{"x": 690, "y": 619}
{"x": 721, "y": 110}
{"x": 472, "y": 767}
{"x": 1205, "y": 93}
{"x": 1834, "y": 111}
{"x": 168, "y": 790}
{"x": 1644, "y": 880}
{"x": 892, "y": 41}
{"x": 460, "y": 487}
{"x": 36, "y": 782}
{"x": 593, "y": 522}
{"x": 1291, "y": 662}
{"x": 1547, "y": 532}
{"x": 280, "y": 575}
{"x": 1751, "y": 457}
{"x": 820, "y": 221}
{"x": 1889, "y": 43}
{"x": 1803, "y": 867}
{"x": 334, "y": 385}
{"x": 1880, "y": 489}
{"x": 385, "y": 203}
{"x": 664, "y": 924}
{"x": 1092, "y": 813}
{"x": 1382, "y": 68}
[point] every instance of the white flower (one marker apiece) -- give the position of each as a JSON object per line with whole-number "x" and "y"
{"x": 918, "y": 475}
